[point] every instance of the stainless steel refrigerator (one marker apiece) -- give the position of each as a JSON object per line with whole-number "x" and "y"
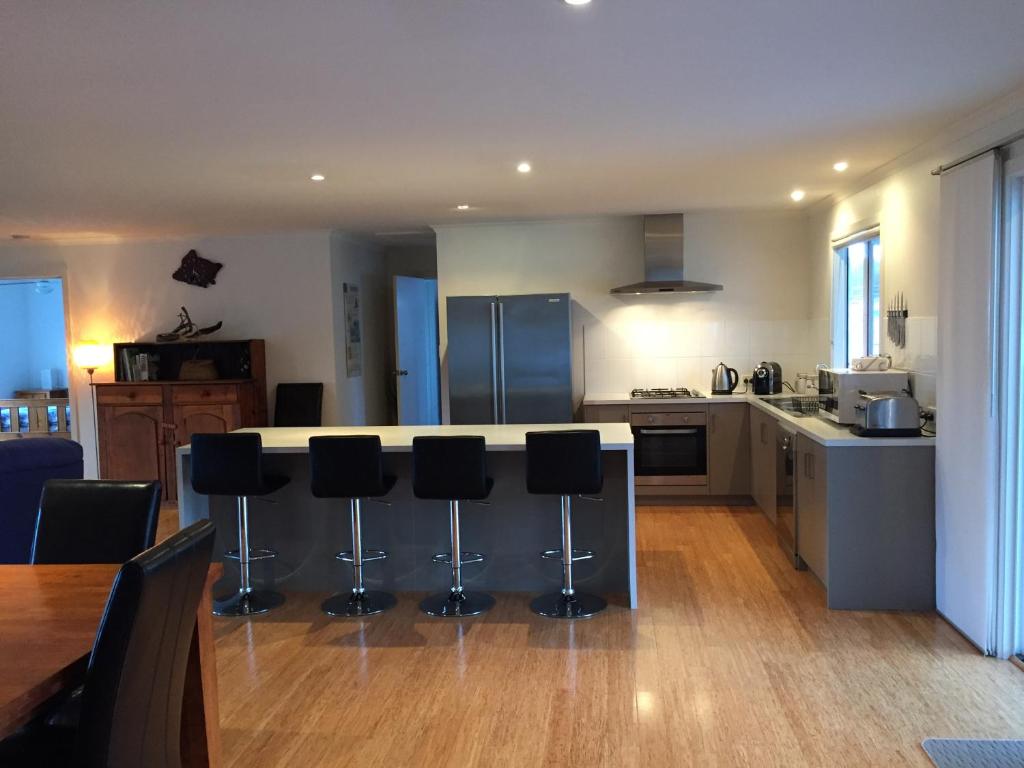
{"x": 511, "y": 359}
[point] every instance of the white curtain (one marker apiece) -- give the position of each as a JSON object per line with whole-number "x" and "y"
{"x": 1009, "y": 637}
{"x": 967, "y": 453}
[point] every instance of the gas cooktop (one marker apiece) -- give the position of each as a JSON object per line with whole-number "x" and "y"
{"x": 664, "y": 394}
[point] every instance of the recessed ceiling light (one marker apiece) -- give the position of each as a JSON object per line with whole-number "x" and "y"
{"x": 577, "y": 2}
{"x": 524, "y": 167}
{"x": 841, "y": 166}
{"x": 797, "y": 195}
{"x": 462, "y": 207}
{"x": 317, "y": 177}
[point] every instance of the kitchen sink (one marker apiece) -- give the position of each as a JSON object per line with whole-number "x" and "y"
{"x": 800, "y": 407}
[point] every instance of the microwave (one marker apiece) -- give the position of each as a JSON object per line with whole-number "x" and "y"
{"x": 839, "y": 390}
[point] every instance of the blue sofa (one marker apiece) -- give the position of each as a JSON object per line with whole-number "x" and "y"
{"x": 25, "y": 464}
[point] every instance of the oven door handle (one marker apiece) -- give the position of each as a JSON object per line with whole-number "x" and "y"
{"x": 667, "y": 431}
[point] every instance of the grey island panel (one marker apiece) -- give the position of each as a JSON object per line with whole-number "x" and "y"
{"x": 511, "y": 530}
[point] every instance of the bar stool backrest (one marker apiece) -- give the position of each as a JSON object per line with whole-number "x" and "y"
{"x": 450, "y": 468}
{"x": 298, "y": 405}
{"x": 227, "y": 465}
{"x": 347, "y": 467}
{"x": 564, "y": 462}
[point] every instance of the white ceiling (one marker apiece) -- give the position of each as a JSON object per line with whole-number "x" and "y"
{"x": 194, "y": 116}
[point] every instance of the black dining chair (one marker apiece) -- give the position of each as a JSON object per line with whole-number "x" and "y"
{"x": 128, "y": 713}
{"x": 95, "y": 521}
{"x": 298, "y": 405}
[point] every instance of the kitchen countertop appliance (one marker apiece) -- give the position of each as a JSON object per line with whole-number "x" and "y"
{"x": 724, "y": 380}
{"x": 677, "y": 393}
{"x": 513, "y": 359}
{"x": 887, "y": 414}
{"x": 767, "y": 379}
{"x": 839, "y": 390}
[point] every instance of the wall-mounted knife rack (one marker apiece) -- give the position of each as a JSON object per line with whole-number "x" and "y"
{"x": 897, "y": 314}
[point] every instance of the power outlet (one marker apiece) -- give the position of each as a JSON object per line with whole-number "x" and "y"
{"x": 930, "y": 415}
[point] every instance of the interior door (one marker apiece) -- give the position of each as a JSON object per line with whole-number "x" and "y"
{"x": 535, "y": 366}
{"x": 472, "y": 362}
{"x": 417, "y": 368}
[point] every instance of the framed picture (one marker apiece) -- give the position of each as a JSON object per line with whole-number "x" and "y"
{"x": 353, "y": 331}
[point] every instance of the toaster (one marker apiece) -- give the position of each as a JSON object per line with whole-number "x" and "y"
{"x": 886, "y": 414}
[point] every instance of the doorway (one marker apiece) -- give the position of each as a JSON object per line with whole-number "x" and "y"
{"x": 34, "y": 395}
{"x": 417, "y": 365}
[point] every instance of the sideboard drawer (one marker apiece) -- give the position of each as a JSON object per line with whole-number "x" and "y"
{"x": 204, "y": 393}
{"x": 119, "y": 394}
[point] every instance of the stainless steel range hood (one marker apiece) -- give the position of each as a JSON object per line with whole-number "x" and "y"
{"x": 663, "y": 259}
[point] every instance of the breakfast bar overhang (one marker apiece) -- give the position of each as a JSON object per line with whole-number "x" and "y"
{"x": 511, "y": 529}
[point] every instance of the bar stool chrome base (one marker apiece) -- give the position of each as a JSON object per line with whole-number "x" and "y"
{"x": 362, "y": 604}
{"x": 456, "y": 605}
{"x": 555, "y": 605}
{"x": 248, "y": 603}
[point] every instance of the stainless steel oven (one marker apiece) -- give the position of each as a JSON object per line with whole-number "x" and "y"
{"x": 670, "y": 448}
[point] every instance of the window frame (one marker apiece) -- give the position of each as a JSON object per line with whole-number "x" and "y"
{"x": 841, "y": 293}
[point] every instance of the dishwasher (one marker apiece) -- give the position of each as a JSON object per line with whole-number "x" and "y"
{"x": 787, "y": 524}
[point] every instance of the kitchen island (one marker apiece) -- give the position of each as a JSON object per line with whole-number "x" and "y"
{"x": 512, "y": 529}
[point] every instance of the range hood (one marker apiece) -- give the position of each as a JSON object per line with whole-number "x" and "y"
{"x": 663, "y": 259}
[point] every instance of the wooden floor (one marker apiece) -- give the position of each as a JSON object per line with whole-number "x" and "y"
{"x": 732, "y": 660}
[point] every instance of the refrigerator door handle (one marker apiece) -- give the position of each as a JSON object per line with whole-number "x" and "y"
{"x": 501, "y": 362}
{"x": 494, "y": 364}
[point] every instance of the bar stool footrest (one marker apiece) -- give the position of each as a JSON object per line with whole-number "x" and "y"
{"x": 369, "y": 555}
{"x": 254, "y": 554}
{"x": 468, "y": 558}
{"x": 577, "y": 554}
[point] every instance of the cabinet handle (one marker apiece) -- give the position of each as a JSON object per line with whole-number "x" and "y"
{"x": 764, "y": 440}
{"x": 714, "y": 422}
{"x": 809, "y": 465}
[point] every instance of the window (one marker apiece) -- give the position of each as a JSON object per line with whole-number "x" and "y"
{"x": 857, "y": 299}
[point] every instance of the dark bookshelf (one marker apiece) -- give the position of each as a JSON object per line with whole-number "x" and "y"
{"x": 233, "y": 359}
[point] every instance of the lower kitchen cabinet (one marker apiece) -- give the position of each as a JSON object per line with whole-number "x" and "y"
{"x": 811, "y": 472}
{"x": 729, "y": 449}
{"x": 763, "y": 450}
{"x": 866, "y": 524}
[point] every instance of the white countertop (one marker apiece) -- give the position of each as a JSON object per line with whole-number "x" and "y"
{"x": 499, "y": 437}
{"x": 819, "y": 430}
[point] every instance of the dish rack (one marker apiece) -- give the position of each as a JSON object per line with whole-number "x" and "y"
{"x": 810, "y": 404}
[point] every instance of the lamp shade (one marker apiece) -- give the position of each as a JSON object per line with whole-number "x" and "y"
{"x": 91, "y": 355}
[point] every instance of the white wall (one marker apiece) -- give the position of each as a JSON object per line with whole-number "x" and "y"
{"x": 361, "y": 399}
{"x": 14, "y": 340}
{"x": 903, "y": 198}
{"x": 31, "y": 337}
{"x": 276, "y": 287}
{"x": 760, "y": 258}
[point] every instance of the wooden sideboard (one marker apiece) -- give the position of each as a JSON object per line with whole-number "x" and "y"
{"x": 140, "y": 423}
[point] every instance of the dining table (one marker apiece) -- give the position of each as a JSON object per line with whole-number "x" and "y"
{"x": 49, "y": 615}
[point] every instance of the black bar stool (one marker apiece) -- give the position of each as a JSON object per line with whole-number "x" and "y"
{"x": 453, "y": 469}
{"x": 565, "y": 463}
{"x": 232, "y": 465}
{"x": 352, "y": 468}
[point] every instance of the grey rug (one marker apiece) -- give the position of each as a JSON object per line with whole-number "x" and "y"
{"x": 975, "y": 753}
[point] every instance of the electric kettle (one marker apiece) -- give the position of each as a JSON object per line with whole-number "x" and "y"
{"x": 724, "y": 380}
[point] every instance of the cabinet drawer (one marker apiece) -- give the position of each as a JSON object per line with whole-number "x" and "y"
{"x": 682, "y": 419}
{"x": 204, "y": 393}
{"x": 604, "y": 414}
{"x": 122, "y": 395}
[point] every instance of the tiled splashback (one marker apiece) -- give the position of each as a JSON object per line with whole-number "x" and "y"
{"x": 920, "y": 356}
{"x": 644, "y": 349}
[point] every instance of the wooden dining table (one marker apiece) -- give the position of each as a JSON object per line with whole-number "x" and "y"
{"x": 49, "y": 615}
